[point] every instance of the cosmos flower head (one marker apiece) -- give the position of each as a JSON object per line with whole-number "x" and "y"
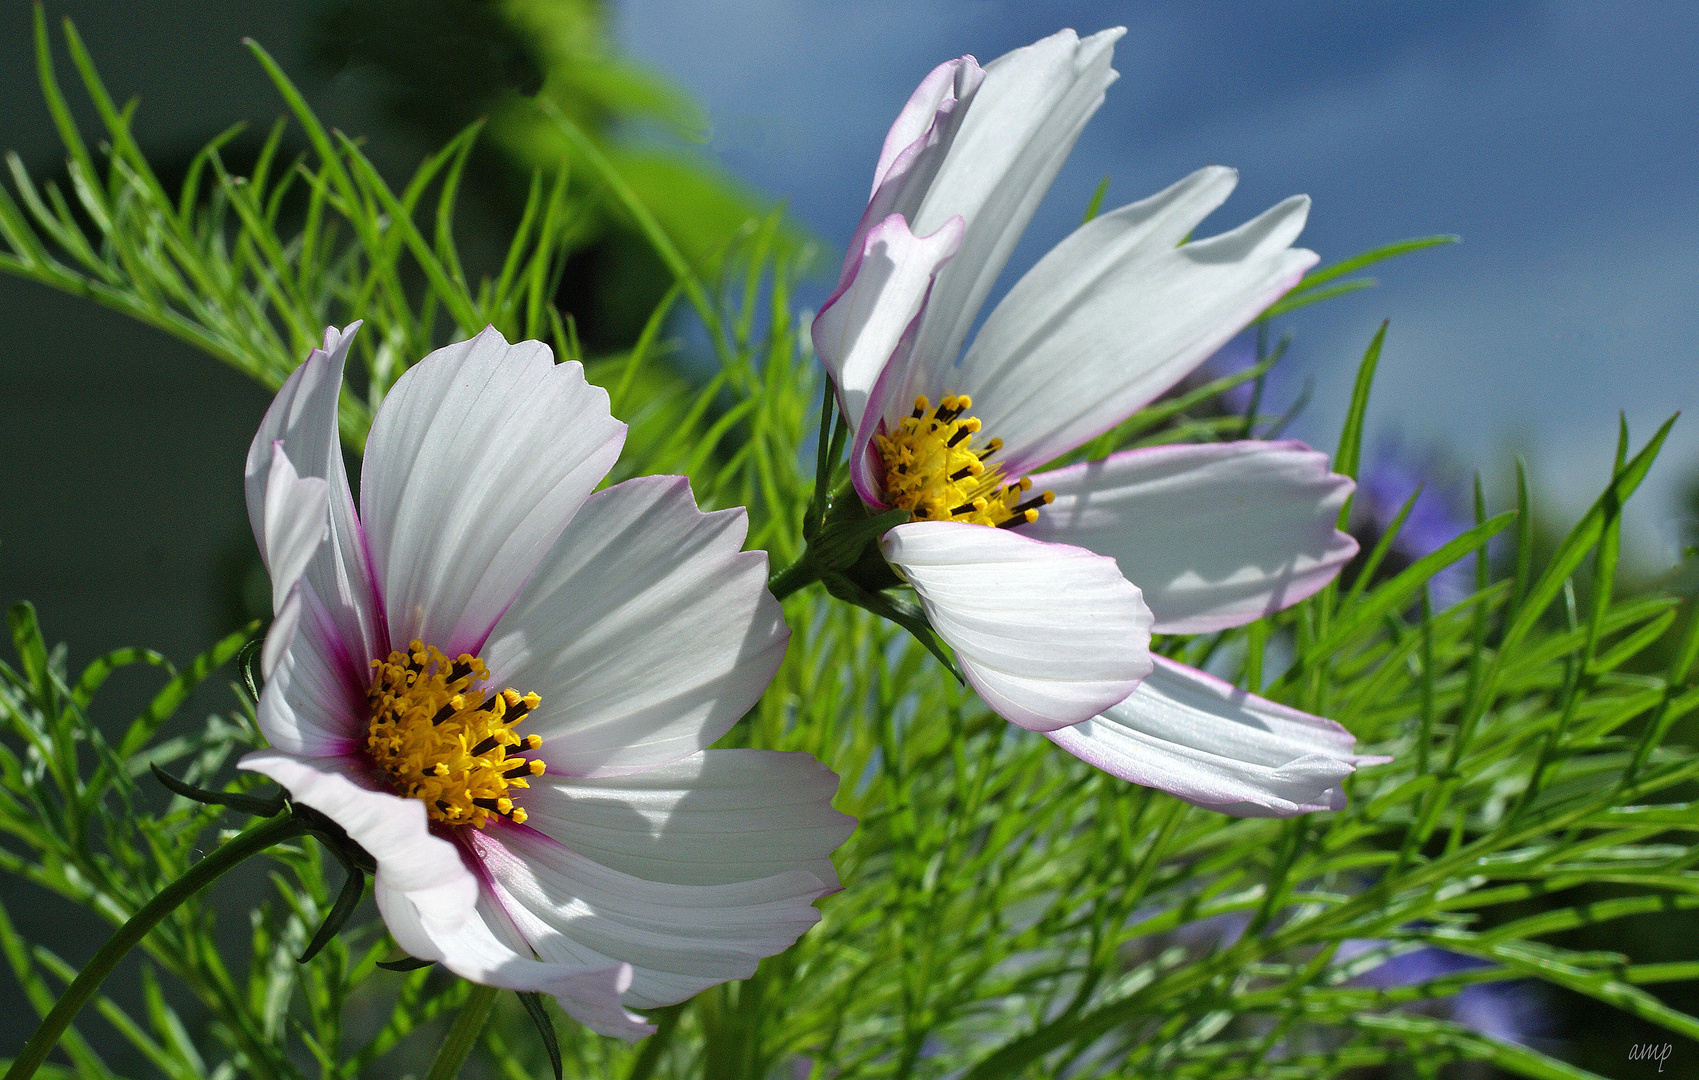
{"x": 1048, "y": 582}
{"x": 502, "y": 686}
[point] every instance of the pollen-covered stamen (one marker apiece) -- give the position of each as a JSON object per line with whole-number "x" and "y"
{"x": 439, "y": 738}
{"x": 935, "y": 472}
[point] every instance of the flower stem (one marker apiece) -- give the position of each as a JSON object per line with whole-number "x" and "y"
{"x": 468, "y": 1025}
{"x": 251, "y": 842}
{"x": 793, "y": 577}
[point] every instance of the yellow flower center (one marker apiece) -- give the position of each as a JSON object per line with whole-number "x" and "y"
{"x": 934, "y": 470}
{"x": 443, "y": 742}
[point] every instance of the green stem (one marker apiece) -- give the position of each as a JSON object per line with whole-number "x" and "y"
{"x": 83, "y": 987}
{"x": 468, "y": 1025}
{"x": 793, "y": 577}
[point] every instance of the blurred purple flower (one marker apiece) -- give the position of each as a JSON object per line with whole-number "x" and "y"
{"x": 1508, "y": 1011}
{"x": 1387, "y": 480}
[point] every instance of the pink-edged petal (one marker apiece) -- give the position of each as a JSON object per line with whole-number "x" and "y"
{"x": 679, "y": 939}
{"x": 1018, "y": 128}
{"x": 1048, "y": 634}
{"x": 647, "y": 631}
{"x": 1218, "y": 747}
{"x": 301, "y": 422}
{"x": 1117, "y": 313}
{"x": 309, "y": 705}
{"x": 480, "y": 455}
{"x": 933, "y": 104}
{"x": 916, "y": 146}
{"x": 420, "y": 872}
{"x": 714, "y": 818}
{"x": 484, "y": 949}
{"x": 1214, "y": 535}
{"x": 863, "y": 326}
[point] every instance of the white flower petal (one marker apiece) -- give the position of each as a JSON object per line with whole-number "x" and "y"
{"x": 863, "y": 326}
{"x": 297, "y": 521}
{"x": 716, "y": 817}
{"x": 1048, "y": 634}
{"x": 310, "y": 705}
{"x": 928, "y": 119}
{"x": 680, "y": 939}
{"x": 1018, "y": 128}
{"x": 916, "y": 146}
{"x": 285, "y": 620}
{"x": 647, "y": 631}
{"x": 485, "y": 949}
{"x": 480, "y": 455}
{"x": 421, "y": 872}
{"x": 303, "y": 419}
{"x": 1116, "y": 313}
{"x": 1214, "y": 535}
{"x": 1219, "y": 747}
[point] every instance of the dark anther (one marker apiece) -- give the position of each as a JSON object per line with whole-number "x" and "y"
{"x": 490, "y": 705}
{"x": 519, "y": 765}
{"x": 987, "y": 452}
{"x": 1018, "y": 519}
{"x": 459, "y": 671}
{"x": 1031, "y": 504}
{"x": 443, "y": 714}
{"x": 964, "y": 508}
{"x": 918, "y": 412}
{"x": 961, "y": 433}
{"x": 487, "y": 804}
{"x": 484, "y": 747}
{"x": 962, "y": 473}
{"x": 517, "y": 713}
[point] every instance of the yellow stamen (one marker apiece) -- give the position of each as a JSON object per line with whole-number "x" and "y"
{"x": 442, "y": 741}
{"x": 934, "y": 470}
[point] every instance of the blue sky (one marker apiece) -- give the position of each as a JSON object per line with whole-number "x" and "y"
{"x": 1560, "y": 140}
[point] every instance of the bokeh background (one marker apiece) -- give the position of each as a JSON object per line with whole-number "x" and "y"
{"x": 1556, "y": 138}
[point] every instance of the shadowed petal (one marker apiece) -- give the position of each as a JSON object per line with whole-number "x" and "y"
{"x": 1214, "y": 535}
{"x": 302, "y": 422}
{"x": 1048, "y": 634}
{"x": 1219, "y": 747}
{"x": 484, "y": 949}
{"x": 480, "y": 455}
{"x": 309, "y": 706}
{"x": 679, "y": 939}
{"x": 297, "y": 521}
{"x": 716, "y": 817}
{"x": 647, "y": 631}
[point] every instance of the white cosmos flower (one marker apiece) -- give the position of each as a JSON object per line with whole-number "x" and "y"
{"x": 1051, "y": 612}
{"x": 502, "y": 685}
